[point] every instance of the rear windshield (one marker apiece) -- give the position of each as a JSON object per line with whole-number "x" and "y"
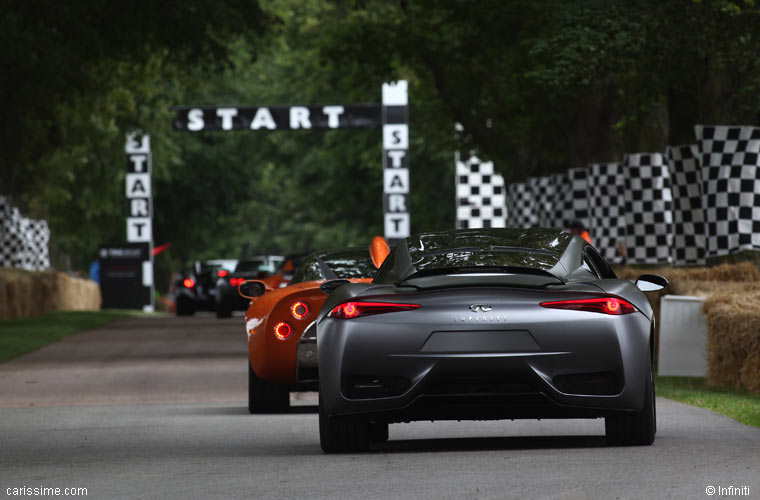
{"x": 342, "y": 264}
{"x": 474, "y": 251}
{"x": 472, "y": 259}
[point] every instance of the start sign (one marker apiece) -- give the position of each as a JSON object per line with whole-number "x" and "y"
{"x": 140, "y": 209}
{"x": 392, "y": 115}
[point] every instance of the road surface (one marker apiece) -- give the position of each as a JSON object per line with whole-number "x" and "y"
{"x": 154, "y": 408}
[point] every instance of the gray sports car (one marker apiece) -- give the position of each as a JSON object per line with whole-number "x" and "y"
{"x": 487, "y": 324}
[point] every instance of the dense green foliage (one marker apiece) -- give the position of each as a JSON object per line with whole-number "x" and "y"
{"x": 539, "y": 85}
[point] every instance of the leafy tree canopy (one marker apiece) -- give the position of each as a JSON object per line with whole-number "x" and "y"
{"x": 538, "y": 85}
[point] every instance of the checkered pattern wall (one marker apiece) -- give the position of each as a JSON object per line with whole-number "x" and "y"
{"x": 23, "y": 241}
{"x": 607, "y": 220}
{"x": 544, "y": 193}
{"x": 520, "y": 206}
{"x": 480, "y": 195}
{"x": 572, "y": 198}
{"x": 648, "y": 209}
{"x": 692, "y": 203}
{"x": 688, "y": 214}
{"x": 730, "y": 158}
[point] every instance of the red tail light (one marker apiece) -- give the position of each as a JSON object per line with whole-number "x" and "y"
{"x": 349, "y": 310}
{"x": 189, "y": 283}
{"x": 222, "y": 273}
{"x": 299, "y": 309}
{"x": 236, "y": 281}
{"x": 605, "y": 305}
{"x": 282, "y": 330}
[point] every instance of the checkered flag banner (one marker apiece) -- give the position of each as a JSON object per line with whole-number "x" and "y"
{"x": 23, "y": 241}
{"x": 480, "y": 195}
{"x": 544, "y": 193}
{"x": 730, "y": 187}
{"x": 649, "y": 209}
{"x": 607, "y": 220}
{"x": 520, "y": 206}
{"x": 688, "y": 213}
{"x": 572, "y": 198}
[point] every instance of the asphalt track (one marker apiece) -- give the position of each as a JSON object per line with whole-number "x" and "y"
{"x": 154, "y": 408}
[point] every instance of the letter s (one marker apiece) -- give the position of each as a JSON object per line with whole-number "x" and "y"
{"x": 195, "y": 120}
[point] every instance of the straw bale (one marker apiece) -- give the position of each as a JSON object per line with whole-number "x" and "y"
{"x": 24, "y": 294}
{"x": 733, "y": 339}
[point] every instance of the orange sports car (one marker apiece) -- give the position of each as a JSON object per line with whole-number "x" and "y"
{"x": 281, "y": 327}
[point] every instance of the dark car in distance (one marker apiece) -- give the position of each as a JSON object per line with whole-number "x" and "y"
{"x": 197, "y": 291}
{"x": 252, "y": 268}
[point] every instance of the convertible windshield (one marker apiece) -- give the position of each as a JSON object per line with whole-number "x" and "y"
{"x": 488, "y": 250}
{"x": 340, "y": 264}
{"x": 500, "y": 251}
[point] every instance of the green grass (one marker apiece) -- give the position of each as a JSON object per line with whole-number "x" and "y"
{"x": 19, "y": 336}
{"x": 738, "y": 404}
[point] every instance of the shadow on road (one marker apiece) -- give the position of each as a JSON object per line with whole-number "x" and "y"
{"x": 242, "y": 410}
{"x": 488, "y": 444}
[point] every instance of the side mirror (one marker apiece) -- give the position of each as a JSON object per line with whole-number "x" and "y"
{"x": 251, "y": 289}
{"x": 329, "y": 287}
{"x": 651, "y": 282}
{"x": 378, "y": 251}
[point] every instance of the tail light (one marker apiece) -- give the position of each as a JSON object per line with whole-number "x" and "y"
{"x": 605, "y": 305}
{"x": 236, "y": 281}
{"x": 222, "y": 273}
{"x": 189, "y": 283}
{"x": 349, "y": 310}
{"x": 299, "y": 309}
{"x": 282, "y": 330}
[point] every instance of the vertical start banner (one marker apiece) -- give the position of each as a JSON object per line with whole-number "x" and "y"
{"x": 395, "y": 117}
{"x": 140, "y": 205}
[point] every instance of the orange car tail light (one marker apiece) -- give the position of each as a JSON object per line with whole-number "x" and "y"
{"x": 283, "y": 330}
{"x": 299, "y": 309}
{"x": 350, "y": 310}
{"x": 189, "y": 283}
{"x": 605, "y": 305}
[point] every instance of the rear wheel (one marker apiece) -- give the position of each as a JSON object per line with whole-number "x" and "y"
{"x": 223, "y": 310}
{"x": 378, "y": 432}
{"x": 185, "y": 306}
{"x": 636, "y": 429}
{"x": 265, "y": 396}
{"x": 342, "y": 435}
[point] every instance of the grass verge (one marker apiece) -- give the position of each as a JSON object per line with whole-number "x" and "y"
{"x": 19, "y": 336}
{"x": 738, "y": 404}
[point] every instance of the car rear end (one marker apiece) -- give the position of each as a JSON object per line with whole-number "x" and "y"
{"x": 483, "y": 353}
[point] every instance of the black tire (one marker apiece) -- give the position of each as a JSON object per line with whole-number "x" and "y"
{"x": 341, "y": 435}
{"x": 223, "y": 310}
{"x": 636, "y": 429}
{"x": 185, "y": 306}
{"x": 265, "y": 396}
{"x": 378, "y": 432}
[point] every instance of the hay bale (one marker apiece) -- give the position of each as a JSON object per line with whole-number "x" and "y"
{"x": 733, "y": 339}
{"x": 24, "y": 294}
{"x": 732, "y": 306}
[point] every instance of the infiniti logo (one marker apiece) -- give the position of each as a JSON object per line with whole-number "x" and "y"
{"x": 480, "y": 308}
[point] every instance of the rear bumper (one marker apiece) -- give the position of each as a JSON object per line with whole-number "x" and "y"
{"x": 395, "y": 372}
